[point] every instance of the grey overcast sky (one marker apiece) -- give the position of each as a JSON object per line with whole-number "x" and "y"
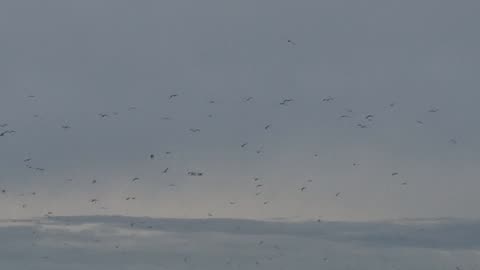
{"x": 407, "y": 71}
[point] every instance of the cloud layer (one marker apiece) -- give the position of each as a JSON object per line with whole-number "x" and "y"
{"x": 122, "y": 242}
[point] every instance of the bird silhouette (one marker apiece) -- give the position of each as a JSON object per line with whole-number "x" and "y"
{"x": 7, "y": 132}
{"x": 286, "y": 101}
{"x": 328, "y": 99}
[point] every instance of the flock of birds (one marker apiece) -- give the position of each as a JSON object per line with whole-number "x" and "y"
{"x": 365, "y": 122}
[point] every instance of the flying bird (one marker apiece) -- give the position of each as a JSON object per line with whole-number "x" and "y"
{"x": 362, "y": 126}
{"x": 369, "y": 117}
{"x": 394, "y": 173}
{"x": 328, "y": 99}
{"x": 165, "y": 171}
{"x": 172, "y": 96}
{"x": 267, "y": 127}
{"x": 433, "y": 110}
{"x": 286, "y": 101}
{"x": 194, "y": 130}
{"x": 152, "y": 156}
{"x": 247, "y": 99}
{"x": 303, "y": 188}
{"x": 135, "y": 179}
{"x": 7, "y": 132}
{"x": 103, "y": 115}
{"x": 338, "y": 194}
{"x": 291, "y": 42}
{"x": 243, "y": 145}
{"x": 66, "y": 127}
{"x": 191, "y": 173}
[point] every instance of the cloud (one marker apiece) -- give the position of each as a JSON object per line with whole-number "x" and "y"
{"x": 123, "y": 242}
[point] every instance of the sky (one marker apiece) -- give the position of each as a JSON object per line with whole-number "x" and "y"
{"x": 381, "y": 128}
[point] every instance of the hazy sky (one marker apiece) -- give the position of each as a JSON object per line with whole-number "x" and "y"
{"x": 82, "y": 58}
{"x": 66, "y": 62}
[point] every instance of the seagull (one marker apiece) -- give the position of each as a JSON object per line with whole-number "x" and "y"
{"x": 93, "y": 200}
{"x": 362, "y": 126}
{"x": 404, "y": 184}
{"x": 27, "y": 160}
{"x": 259, "y": 186}
{"x": 338, "y": 194}
{"x": 165, "y": 171}
{"x": 194, "y": 130}
{"x": 7, "y": 132}
{"x": 256, "y": 179}
{"x": 345, "y": 116}
{"x": 102, "y": 115}
{"x": 152, "y": 156}
{"x": 291, "y": 42}
{"x": 452, "y": 141}
{"x": 172, "y": 96}
{"x": 303, "y": 188}
{"x": 267, "y": 126}
{"x": 135, "y": 179}
{"x": 195, "y": 173}
{"x": 247, "y": 99}
{"x": 433, "y": 110}
{"x": 419, "y": 122}
{"x": 286, "y": 101}
{"x": 369, "y": 117}
{"x": 328, "y": 99}
{"x": 66, "y": 127}
{"x": 394, "y": 173}
{"x": 243, "y": 145}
